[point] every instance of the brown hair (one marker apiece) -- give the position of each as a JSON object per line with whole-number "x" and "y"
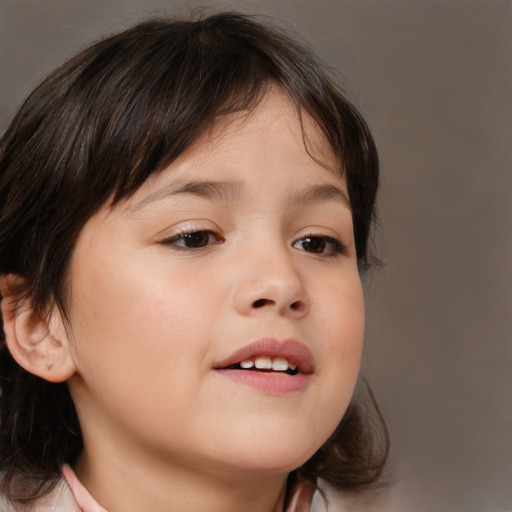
{"x": 122, "y": 109}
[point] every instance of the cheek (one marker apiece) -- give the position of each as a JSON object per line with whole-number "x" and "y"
{"x": 342, "y": 315}
{"x": 134, "y": 322}
{"x": 136, "y": 342}
{"x": 342, "y": 318}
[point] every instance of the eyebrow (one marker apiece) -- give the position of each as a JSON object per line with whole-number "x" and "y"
{"x": 229, "y": 191}
{"x": 319, "y": 193}
{"x": 226, "y": 191}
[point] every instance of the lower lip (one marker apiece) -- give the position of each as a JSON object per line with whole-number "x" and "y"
{"x": 271, "y": 383}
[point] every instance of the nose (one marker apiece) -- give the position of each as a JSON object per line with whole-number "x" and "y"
{"x": 270, "y": 282}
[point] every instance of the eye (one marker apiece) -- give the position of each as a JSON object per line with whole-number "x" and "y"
{"x": 323, "y": 245}
{"x": 193, "y": 239}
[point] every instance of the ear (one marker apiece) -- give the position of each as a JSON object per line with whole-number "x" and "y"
{"x": 38, "y": 342}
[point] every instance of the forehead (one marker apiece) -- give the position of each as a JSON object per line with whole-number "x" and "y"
{"x": 241, "y": 146}
{"x": 277, "y": 116}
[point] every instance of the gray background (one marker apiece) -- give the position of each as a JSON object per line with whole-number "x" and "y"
{"x": 434, "y": 80}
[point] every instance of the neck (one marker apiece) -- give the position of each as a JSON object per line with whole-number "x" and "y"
{"x": 138, "y": 485}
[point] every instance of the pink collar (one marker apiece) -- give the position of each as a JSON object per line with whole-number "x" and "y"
{"x": 84, "y": 500}
{"x": 300, "y": 497}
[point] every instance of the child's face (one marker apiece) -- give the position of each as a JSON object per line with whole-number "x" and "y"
{"x": 156, "y": 310}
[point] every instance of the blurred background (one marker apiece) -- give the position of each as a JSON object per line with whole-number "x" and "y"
{"x": 434, "y": 80}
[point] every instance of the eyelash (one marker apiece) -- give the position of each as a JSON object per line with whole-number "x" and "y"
{"x": 182, "y": 235}
{"x": 336, "y": 246}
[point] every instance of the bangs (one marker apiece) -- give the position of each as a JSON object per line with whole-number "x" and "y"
{"x": 151, "y": 96}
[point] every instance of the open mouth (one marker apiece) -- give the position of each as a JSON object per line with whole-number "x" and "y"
{"x": 270, "y": 366}
{"x": 267, "y": 365}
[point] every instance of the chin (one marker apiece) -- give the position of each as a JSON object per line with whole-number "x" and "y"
{"x": 273, "y": 457}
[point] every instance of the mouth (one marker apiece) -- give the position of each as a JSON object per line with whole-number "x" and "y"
{"x": 270, "y": 365}
{"x": 266, "y": 364}
{"x": 270, "y": 355}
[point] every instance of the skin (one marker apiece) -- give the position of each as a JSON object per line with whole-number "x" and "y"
{"x": 149, "y": 318}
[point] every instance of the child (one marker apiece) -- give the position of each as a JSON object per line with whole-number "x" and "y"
{"x": 185, "y": 212}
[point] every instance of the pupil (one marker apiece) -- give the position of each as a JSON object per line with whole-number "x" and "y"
{"x": 198, "y": 239}
{"x": 314, "y": 244}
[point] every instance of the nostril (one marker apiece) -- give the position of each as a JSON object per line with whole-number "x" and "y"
{"x": 262, "y": 302}
{"x": 298, "y": 306}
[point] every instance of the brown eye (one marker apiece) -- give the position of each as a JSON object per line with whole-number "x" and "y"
{"x": 314, "y": 244}
{"x": 194, "y": 240}
{"x": 324, "y": 245}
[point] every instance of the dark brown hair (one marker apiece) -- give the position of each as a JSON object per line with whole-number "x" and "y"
{"x": 97, "y": 128}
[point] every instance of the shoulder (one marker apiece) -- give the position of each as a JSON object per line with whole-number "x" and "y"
{"x": 60, "y": 499}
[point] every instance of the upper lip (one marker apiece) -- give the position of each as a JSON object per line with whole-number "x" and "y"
{"x": 292, "y": 350}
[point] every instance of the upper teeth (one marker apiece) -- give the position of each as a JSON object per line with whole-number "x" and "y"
{"x": 279, "y": 364}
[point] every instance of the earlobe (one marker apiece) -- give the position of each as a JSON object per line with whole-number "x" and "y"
{"x": 38, "y": 342}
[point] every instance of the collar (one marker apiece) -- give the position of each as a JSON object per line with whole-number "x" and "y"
{"x": 82, "y": 497}
{"x": 300, "y": 496}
